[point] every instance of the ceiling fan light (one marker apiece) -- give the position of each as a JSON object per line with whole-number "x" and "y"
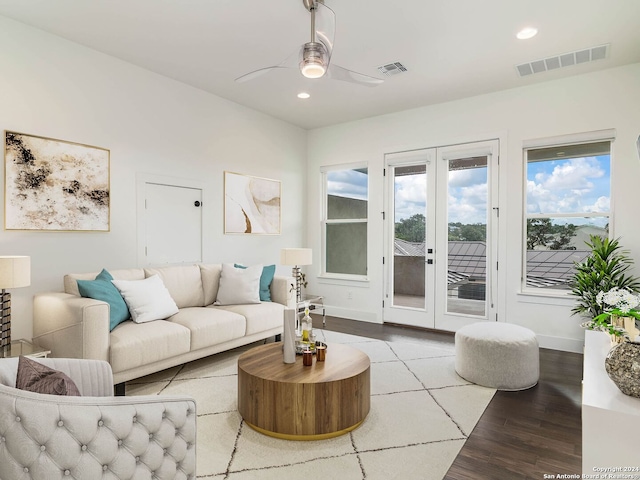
{"x": 312, "y": 68}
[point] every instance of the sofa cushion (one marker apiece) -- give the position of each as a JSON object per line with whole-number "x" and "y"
{"x": 136, "y": 344}
{"x": 71, "y": 285}
{"x": 210, "y": 281}
{"x": 102, "y": 289}
{"x": 147, "y": 299}
{"x": 268, "y": 271}
{"x": 184, "y": 283}
{"x": 36, "y": 377}
{"x": 239, "y": 286}
{"x": 210, "y": 326}
{"x": 260, "y": 317}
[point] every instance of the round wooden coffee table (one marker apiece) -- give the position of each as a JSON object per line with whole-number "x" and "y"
{"x": 294, "y": 402}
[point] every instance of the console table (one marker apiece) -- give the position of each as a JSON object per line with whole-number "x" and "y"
{"x": 610, "y": 419}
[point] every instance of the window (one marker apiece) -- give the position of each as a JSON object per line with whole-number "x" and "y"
{"x": 568, "y": 200}
{"x": 345, "y": 221}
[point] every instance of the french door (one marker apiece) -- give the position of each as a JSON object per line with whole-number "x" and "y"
{"x": 441, "y": 224}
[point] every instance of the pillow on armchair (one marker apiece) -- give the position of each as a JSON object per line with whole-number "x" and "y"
{"x": 36, "y": 377}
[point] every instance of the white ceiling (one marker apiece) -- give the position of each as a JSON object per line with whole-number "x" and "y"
{"x": 451, "y": 48}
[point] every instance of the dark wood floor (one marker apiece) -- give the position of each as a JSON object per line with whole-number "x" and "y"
{"x": 521, "y": 435}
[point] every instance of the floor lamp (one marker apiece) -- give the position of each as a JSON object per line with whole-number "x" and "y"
{"x": 296, "y": 257}
{"x": 15, "y": 272}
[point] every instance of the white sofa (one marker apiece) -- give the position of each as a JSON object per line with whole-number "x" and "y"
{"x": 75, "y": 327}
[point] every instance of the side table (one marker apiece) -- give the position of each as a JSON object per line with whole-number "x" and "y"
{"x": 316, "y": 302}
{"x": 25, "y": 348}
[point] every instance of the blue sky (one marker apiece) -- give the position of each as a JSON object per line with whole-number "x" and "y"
{"x": 348, "y": 183}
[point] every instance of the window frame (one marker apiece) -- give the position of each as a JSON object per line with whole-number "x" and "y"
{"x": 325, "y": 170}
{"x": 557, "y": 142}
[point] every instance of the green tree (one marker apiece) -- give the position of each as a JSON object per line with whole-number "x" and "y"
{"x": 541, "y": 232}
{"x": 411, "y": 229}
{"x": 470, "y": 232}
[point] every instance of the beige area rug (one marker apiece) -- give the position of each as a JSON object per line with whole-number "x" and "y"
{"x": 421, "y": 414}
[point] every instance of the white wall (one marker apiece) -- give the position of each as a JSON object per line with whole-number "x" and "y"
{"x": 602, "y": 100}
{"x": 151, "y": 124}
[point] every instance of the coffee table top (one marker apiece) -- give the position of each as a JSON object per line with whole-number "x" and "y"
{"x": 265, "y": 361}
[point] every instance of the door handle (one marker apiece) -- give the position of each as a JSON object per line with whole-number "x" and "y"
{"x": 430, "y": 261}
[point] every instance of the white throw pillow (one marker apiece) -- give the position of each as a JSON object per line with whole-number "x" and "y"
{"x": 147, "y": 299}
{"x": 239, "y": 286}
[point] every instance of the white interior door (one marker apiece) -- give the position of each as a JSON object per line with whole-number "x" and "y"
{"x": 441, "y": 236}
{"x": 172, "y": 224}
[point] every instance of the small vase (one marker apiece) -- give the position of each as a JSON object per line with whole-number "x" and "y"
{"x": 623, "y": 367}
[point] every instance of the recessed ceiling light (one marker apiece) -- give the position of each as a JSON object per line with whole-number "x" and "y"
{"x": 527, "y": 33}
{"x": 303, "y": 95}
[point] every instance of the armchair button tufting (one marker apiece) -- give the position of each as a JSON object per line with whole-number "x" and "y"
{"x": 119, "y": 442}
{"x": 165, "y": 451}
{"x": 83, "y": 448}
{"x": 137, "y": 459}
{"x": 151, "y": 435}
{"x": 17, "y": 419}
{"x": 25, "y": 470}
{"x": 100, "y": 423}
{"x": 135, "y": 419}
{"x": 67, "y": 472}
{"x": 104, "y": 468}
{"x": 60, "y": 423}
{"x": 2, "y": 440}
{"x": 42, "y": 448}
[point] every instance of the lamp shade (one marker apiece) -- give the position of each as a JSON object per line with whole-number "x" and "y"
{"x": 296, "y": 256}
{"x": 15, "y": 271}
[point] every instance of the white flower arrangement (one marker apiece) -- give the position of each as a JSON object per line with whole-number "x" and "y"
{"x": 618, "y": 302}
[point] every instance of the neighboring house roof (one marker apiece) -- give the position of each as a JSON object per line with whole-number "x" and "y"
{"x": 408, "y": 249}
{"x": 467, "y": 260}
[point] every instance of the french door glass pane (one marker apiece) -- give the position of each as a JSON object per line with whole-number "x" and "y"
{"x": 467, "y": 213}
{"x": 410, "y": 194}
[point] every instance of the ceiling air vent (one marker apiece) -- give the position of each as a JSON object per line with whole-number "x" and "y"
{"x": 392, "y": 69}
{"x": 564, "y": 60}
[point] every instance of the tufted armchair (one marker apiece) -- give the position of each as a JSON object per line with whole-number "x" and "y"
{"x": 95, "y": 436}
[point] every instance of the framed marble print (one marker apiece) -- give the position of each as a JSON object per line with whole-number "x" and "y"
{"x": 251, "y": 204}
{"x": 55, "y": 185}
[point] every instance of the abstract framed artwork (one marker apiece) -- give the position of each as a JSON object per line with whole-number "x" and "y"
{"x": 55, "y": 185}
{"x": 251, "y": 205}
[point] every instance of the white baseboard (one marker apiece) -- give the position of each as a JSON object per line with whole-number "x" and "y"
{"x": 352, "y": 314}
{"x": 562, "y": 344}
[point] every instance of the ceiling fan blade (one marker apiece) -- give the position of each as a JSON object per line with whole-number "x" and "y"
{"x": 336, "y": 72}
{"x": 325, "y": 27}
{"x": 256, "y": 73}
{"x": 290, "y": 62}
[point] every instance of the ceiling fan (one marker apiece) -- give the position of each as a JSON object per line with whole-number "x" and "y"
{"x": 314, "y": 57}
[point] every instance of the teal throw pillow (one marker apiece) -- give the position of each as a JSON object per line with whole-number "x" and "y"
{"x": 102, "y": 289}
{"x": 268, "y": 271}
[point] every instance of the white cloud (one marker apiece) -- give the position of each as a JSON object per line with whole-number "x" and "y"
{"x": 565, "y": 188}
{"x": 602, "y": 204}
{"x": 410, "y": 195}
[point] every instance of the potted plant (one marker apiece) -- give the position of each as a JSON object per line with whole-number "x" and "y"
{"x": 605, "y": 268}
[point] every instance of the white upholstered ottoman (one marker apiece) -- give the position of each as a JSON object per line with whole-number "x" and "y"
{"x": 498, "y": 355}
